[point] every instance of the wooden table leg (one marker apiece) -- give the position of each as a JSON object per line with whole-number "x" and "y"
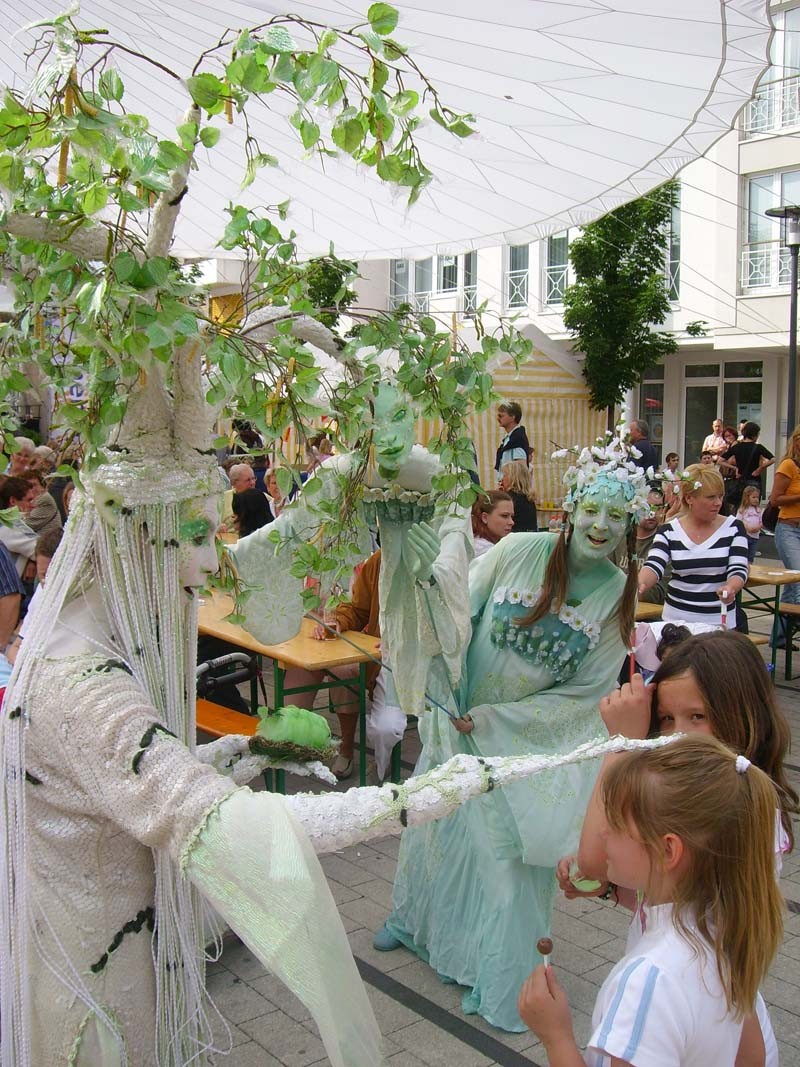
{"x": 362, "y": 724}
{"x": 278, "y": 675}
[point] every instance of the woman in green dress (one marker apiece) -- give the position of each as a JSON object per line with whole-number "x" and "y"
{"x": 551, "y": 621}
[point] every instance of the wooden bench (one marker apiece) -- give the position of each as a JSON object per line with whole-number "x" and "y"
{"x": 219, "y": 721}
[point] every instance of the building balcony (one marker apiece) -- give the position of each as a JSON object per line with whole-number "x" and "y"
{"x": 774, "y": 107}
{"x": 463, "y": 300}
{"x": 765, "y": 266}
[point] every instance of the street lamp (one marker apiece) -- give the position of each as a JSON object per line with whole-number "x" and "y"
{"x": 790, "y": 219}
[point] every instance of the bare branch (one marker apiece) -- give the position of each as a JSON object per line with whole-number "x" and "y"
{"x": 89, "y": 242}
{"x": 166, "y": 211}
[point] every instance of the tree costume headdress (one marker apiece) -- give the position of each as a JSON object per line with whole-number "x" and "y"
{"x": 607, "y": 464}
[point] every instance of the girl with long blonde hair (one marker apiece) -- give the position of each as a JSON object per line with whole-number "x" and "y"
{"x": 690, "y": 826}
{"x": 516, "y": 480}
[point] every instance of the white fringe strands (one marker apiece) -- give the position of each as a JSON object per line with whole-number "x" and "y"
{"x": 132, "y": 566}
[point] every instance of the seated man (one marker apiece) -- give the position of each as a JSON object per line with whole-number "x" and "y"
{"x": 386, "y": 722}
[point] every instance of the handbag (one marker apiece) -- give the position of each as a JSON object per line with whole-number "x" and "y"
{"x": 769, "y": 517}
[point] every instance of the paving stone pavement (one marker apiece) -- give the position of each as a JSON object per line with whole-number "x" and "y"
{"x": 420, "y": 1017}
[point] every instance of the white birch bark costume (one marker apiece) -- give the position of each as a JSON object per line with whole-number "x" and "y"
{"x": 112, "y": 823}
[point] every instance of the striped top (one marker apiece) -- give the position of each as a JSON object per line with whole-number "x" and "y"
{"x": 699, "y": 570}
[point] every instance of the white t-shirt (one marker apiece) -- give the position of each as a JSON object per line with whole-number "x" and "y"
{"x": 641, "y": 918}
{"x": 663, "y": 1005}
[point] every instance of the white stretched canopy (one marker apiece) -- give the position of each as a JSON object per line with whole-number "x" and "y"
{"x": 581, "y": 105}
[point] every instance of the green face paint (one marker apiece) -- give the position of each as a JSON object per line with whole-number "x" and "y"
{"x": 194, "y": 531}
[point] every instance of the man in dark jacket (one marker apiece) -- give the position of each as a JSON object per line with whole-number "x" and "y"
{"x": 640, "y": 439}
{"x": 515, "y": 443}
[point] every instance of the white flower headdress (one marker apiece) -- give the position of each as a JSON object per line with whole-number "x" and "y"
{"x": 608, "y": 463}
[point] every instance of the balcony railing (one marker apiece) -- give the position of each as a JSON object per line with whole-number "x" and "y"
{"x": 417, "y": 301}
{"x": 517, "y": 288}
{"x": 773, "y": 107}
{"x": 765, "y": 266}
{"x": 470, "y": 294}
{"x": 555, "y": 283}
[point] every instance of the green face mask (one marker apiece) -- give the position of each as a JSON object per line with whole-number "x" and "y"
{"x": 599, "y": 524}
{"x": 393, "y": 433}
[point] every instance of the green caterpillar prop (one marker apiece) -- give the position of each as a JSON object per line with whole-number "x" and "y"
{"x": 292, "y": 733}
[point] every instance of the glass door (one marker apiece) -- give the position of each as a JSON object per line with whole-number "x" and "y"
{"x": 701, "y": 407}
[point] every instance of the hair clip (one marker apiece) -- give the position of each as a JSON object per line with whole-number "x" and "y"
{"x": 742, "y": 763}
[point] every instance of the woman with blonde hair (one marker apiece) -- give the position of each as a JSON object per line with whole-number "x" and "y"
{"x": 517, "y": 482}
{"x": 707, "y": 550}
{"x": 786, "y": 495}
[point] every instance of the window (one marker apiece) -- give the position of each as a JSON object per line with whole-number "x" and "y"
{"x": 776, "y": 101}
{"x": 651, "y": 405}
{"x": 517, "y": 280}
{"x": 399, "y": 282}
{"x": 410, "y": 282}
{"x": 765, "y": 263}
{"x": 556, "y": 250}
{"x": 674, "y": 253}
{"x": 447, "y": 279}
{"x": 470, "y": 282}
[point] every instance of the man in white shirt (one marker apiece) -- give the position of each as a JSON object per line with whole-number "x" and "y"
{"x": 715, "y": 443}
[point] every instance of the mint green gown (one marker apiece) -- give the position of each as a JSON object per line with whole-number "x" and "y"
{"x": 474, "y": 892}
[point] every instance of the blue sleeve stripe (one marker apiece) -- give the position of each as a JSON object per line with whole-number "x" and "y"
{"x": 641, "y": 1014}
{"x": 608, "y": 1021}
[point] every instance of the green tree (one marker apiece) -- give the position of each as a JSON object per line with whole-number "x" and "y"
{"x": 91, "y": 199}
{"x": 620, "y": 294}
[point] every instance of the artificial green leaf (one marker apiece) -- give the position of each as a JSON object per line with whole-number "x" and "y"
{"x": 285, "y": 480}
{"x": 278, "y": 39}
{"x": 378, "y": 75}
{"x": 94, "y": 199}
{"x": 390, "y": 168}
{"x": 206, "y": 90}
{"x": 309, "y": 133}
{"x": 348, "y": 135}
{"x": 382, "y": 18}
{"x": 110, "y": 85}
{"x": 170, "y": 155}
{"x": 209, "y": 136}
{"x": 158, "y": 336}
{"x": 124, "y": 266}
{"x": 136, "y": 344}
{"x": 404, "y": 102}
{"x": 187, "y": 131}
{"x": 12, "y": 171}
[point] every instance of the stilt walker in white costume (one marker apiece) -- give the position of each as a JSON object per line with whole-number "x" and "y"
{"x": 114, "y": 827}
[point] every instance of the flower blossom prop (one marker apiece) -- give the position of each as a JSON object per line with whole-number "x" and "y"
{"x": 607, "y": 464}
{"x": 683, "y": 482}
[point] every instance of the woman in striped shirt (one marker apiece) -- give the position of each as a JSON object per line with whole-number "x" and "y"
{"x": 708, "y": 553}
